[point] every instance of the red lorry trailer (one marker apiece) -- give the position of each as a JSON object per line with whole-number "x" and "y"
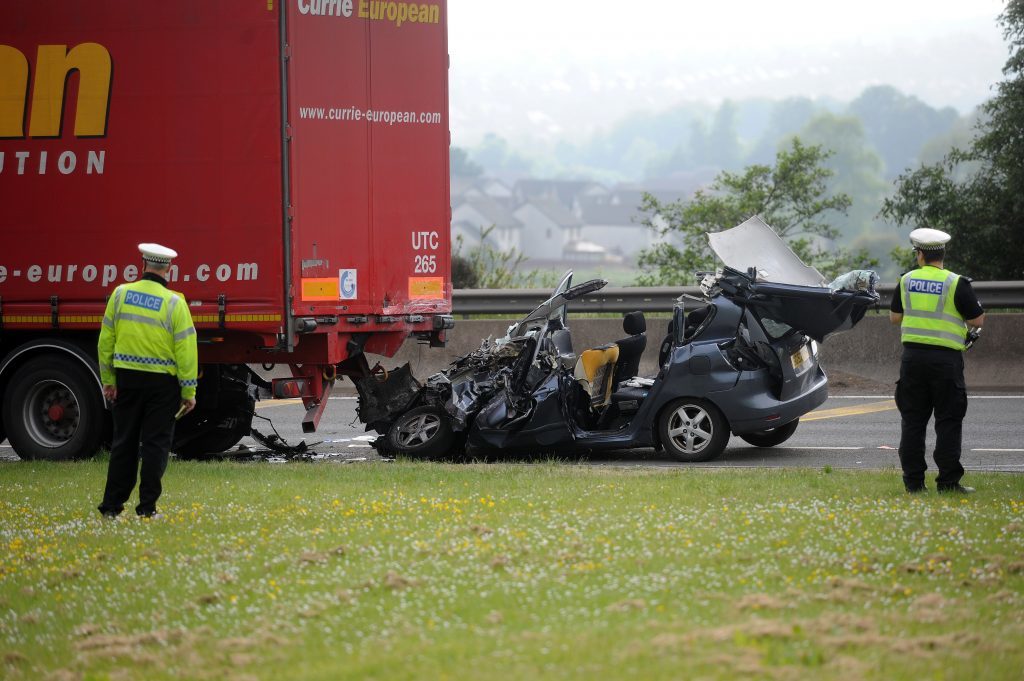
{"x": 293, "y": 152}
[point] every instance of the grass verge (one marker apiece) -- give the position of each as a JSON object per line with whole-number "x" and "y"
{"x": 412, "y": 571}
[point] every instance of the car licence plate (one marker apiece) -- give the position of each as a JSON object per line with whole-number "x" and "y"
{"x": 801, "y": 359}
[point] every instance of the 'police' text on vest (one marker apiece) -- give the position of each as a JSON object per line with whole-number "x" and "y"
{"x": 922, "y": 286}
{"x": 145, "y": 300}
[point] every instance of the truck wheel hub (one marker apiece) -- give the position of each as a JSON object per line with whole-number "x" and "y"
{"x": 52, "y": 413}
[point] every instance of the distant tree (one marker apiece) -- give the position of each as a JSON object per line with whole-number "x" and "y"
{"x": 898, "y": 125}
{"x": 792, "y": 196}
{"x": 788, "y": 117}
{"x": 484, "y": 266}
{"x": 985, "y": 210}
{"x": 632, "y": 145}
{"x": 959, "y": 136}
{"x": 856, "y": 169}
{"x": 680, "y": 158}
{"x": 497, "y": 158}
{"x": 857, "y": 172}
{"x": 723, "y": 144}
{"x": 462, "y": 165}
{"x": 716, "y": 146}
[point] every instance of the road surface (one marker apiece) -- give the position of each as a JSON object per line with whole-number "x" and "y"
{"x": 848, "y": 431}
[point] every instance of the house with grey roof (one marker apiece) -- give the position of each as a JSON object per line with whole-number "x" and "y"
{"x": 566, "y": 192}
{"x": 556, "y": 220}
{"x": 547, "y": 227}
{"x": 614, "y": 221}
{"x": 480, "y": 188}
{"x": 473, "y": 217}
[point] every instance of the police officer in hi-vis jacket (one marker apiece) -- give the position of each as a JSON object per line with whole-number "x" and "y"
{"x": 935, "y": 309}
{"x": 149, "y": 368}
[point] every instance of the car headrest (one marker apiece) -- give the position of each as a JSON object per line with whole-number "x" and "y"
{"x": 634, "y": 323}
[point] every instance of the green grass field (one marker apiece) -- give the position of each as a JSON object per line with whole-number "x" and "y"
{"x": 423, "y": 571}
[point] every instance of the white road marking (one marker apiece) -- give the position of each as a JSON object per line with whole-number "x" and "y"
{"x": 754, "y": 466}
{"x": 815, "y": 448}
{"x": 970, "y": 397}
{"x": 997, "y": 450}
{"x": 995, "y": 397}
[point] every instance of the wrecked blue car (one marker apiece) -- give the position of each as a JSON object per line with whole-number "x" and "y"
{"x": 742, "y": 360}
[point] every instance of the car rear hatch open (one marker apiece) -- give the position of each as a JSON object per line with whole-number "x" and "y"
{"x": 764, "y": 274}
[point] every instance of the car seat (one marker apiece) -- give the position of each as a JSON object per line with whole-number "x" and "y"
{"x": 631, "y": 349}
{"x": 595, "y": 370}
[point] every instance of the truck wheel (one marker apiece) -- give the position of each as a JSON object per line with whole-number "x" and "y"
{"x": 423, "y": 432}
{"x": 693, "y": 430}
{"x": 772, "y": 436}
{"x": 53, "y": 410}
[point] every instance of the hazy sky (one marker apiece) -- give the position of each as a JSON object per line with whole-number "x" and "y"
{"x": 555, "y": 69}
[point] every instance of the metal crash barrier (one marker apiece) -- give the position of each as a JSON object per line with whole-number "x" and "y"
{"x": 994, "y": 295}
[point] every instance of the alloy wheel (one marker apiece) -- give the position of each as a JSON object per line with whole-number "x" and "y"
{"x": 691, "y": 428}
{"x": 419, "y": 429}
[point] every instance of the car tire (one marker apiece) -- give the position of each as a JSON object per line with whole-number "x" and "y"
{"x": 771, "y": 436}
{"x": 693, "y": 430}
{"x": 53, "y": 410}
{"x": 423, "y": 433}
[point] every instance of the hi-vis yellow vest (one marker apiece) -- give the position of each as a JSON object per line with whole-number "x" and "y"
{"x": 148, "y": 327}
{"x": 930, "y": 316}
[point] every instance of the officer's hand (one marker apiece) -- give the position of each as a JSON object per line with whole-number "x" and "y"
{"x": 110, "y": 393}
{"x": 188, "y": 404}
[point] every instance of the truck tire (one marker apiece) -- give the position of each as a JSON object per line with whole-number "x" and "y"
{"x": 53, "y": 410}
{"x": 772, "y": 436}
{"x": 693, "y": 430}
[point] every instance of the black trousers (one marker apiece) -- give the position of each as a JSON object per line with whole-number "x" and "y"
{"x": 143, "y": 429}
{"x": 931, "y": 382}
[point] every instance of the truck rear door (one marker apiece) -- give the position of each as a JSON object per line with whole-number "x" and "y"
{"x": 368, "y": 113}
